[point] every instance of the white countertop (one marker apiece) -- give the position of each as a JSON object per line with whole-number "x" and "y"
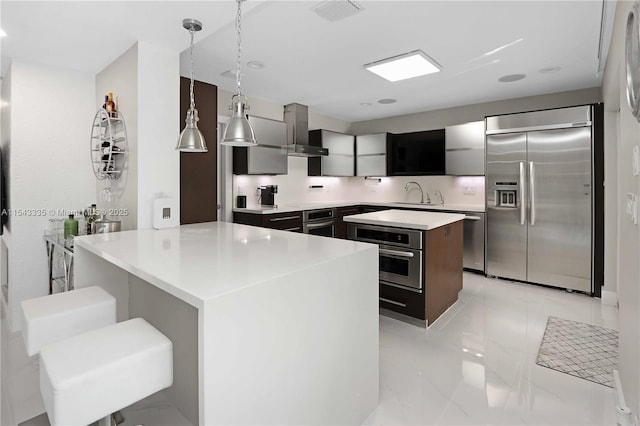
{"x": 312, "y": 206}
{"x": 203, "y": 261}
{"x": 406, "y": 219}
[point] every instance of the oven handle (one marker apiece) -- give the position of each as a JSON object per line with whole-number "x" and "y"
{"x": 393, "y": 302}
{"x": 280, "y": 219}
{"x": 396, "y": 253}
{"x": 316, "y": 225}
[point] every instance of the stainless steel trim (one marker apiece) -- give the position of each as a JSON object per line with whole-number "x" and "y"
{"x": 297, "y": 228}
{"x": 559, "y": 118}
{"x": 472, "y": 218}
{"x": 403, "y": 287}
{"x": 316, "y": 225}
{"x": 465, "y": 149}
{"x": 415, "y": 236}
{"x": 279, "y": 219}
{"x": 396, "y": 253}
{"x": 532, "y": 192}
{"x": 545, "y": 127}
{"x": 393, "y": 302}
{"x": 523, "y": 196}
{"x": 306, "y": 213}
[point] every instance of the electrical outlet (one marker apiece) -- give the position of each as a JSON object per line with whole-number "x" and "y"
{"x": 469, "y": 190}
{"x": 632, "y": 207}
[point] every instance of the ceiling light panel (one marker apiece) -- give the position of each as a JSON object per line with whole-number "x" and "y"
{"x": 405, "y": 66}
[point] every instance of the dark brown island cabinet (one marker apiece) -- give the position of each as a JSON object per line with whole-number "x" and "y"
{"x": 442, "y": 275}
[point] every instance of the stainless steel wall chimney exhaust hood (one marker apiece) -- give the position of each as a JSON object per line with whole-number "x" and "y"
{"x": 296, "y": 116}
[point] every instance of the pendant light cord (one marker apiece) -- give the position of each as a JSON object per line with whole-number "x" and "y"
{"x": 238, "y": 27}
{"x": 193, "y": 103}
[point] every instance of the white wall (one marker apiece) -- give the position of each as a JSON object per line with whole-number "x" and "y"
{"x": 121, "y": 78}
{"x": 444, "y": 117}
{"x": 628, "y": 269}
{"x": 146, "y": 81}
{"x": 50, "y": 169}
{"x": 158, "y": 128}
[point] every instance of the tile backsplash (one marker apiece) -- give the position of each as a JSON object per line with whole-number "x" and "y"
{"x": 295, "y": 187}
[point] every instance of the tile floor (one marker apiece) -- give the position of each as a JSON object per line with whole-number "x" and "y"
{"x": 474, "y": 366}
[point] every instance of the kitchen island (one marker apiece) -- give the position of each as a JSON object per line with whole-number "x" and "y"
{"x": 267, "y": 326}
{"x": 420, "y": 260}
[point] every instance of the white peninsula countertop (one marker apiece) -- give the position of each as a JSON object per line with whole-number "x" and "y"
{"x": 200, "y": 262}
{"x": 406, "y": 219}
{"x": 267, "y": 326}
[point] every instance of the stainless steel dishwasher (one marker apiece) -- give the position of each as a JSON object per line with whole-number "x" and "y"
{"x": 473, "y": 252}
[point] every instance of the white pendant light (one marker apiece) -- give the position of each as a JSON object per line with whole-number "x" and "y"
{"x": 191, "y": 139}
{"x": 238, "y": 131}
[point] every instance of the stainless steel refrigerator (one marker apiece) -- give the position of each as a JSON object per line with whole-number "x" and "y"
{"x": 539, "y": 184}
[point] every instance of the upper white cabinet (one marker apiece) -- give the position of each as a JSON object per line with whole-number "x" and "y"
{"x": 464, "y": 144}
{"x": 340, "y": 161}
{"x": 371, "y": 154}
{"x": 270, "y": 156}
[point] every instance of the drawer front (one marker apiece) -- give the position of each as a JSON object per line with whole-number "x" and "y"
{"x": 291, "y": 221}
{"x": 402, "y": 301}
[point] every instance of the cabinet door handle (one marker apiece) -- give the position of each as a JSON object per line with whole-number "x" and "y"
{"x": 393, "y": 302}
{"x": 280, "y": 219}
{"x": 396, "y": 253}
{"x": 472, "y": 218}
{"x": 292, "y": 229}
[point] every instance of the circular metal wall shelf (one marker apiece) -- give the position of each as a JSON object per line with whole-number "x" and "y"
{"x": 108, "y": 145}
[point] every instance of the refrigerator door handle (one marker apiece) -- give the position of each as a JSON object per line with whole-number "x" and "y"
{"x": 532, "y": 190}
{"x": 523, "y": 196}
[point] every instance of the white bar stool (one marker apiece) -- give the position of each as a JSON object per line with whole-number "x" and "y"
{"x": 58, "y": 316}
{"x": 91, "y": 375}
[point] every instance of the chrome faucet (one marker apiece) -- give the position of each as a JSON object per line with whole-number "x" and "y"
{"x": 406, "y": 189}
{"x": 438, "y": 193}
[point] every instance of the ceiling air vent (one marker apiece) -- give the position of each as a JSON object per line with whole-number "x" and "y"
{"x": 333, "y": 11}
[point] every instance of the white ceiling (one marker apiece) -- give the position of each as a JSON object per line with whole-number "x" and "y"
{"x": 319, "y": 63}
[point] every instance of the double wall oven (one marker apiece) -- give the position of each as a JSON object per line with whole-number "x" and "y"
{"x": 400, "y": 251}
{"x": 319, "y": 222}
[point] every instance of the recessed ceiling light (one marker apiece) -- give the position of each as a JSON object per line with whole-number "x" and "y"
{"x": 511, "y": 78}
{"x": 256, "y": 65}
{"x": 402, "y": 67}
{"x": 549, "y": 70}
{"x": 229, "y": 74}
{"x": 2, "y": 33}
{"x": 387, "y": 101}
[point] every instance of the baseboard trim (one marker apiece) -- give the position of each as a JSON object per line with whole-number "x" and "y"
{"x": 609, "y": 298}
